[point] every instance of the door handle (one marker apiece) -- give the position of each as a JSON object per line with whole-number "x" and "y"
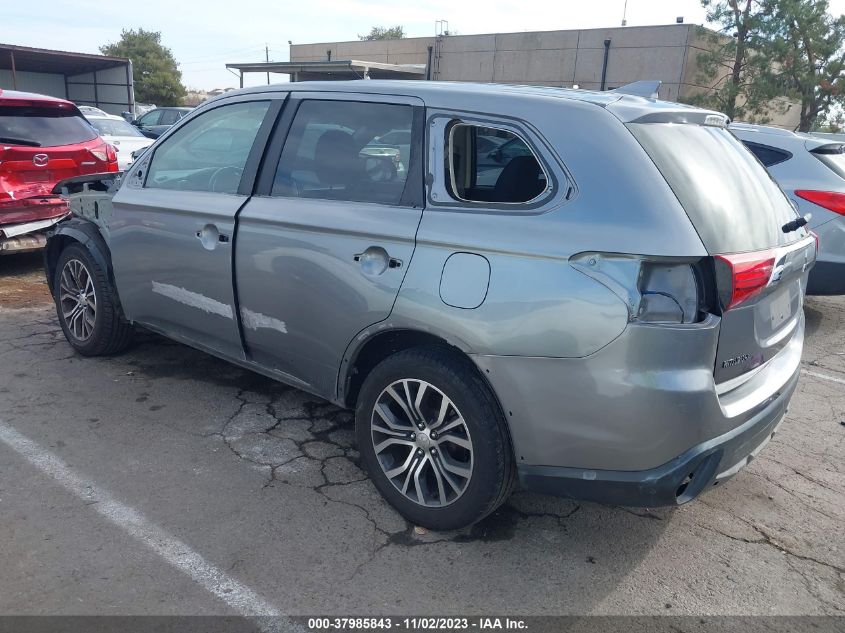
{"x": 210, "y": 237}
{"x": 375, "y": 260}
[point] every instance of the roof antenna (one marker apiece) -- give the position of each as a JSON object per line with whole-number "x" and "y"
{"x": 624, "y": 14}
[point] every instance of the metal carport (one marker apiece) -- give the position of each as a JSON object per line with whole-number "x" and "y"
{"x": 85, "y": 79}
{"x": 333, "y": 70}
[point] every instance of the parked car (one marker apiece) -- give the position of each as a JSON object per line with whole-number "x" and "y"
{"x": 811, "y": 170}
{"x": 125, "y": 138}
{"x": 42, "y": 140}
{"x": 87, "y": 111}
{"x": 155, "y": 122}
{"x": 394, "y": 146}
{"x": 617, "y": 318}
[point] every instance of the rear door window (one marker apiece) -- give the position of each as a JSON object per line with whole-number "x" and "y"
{"x": 728, "y": 195}
{"x": 41, "y": 126}
{"x": 209, "y": 152}
{"x": 347, "y": 150}
{"x": 150, "y": 118}
{"x": 169, "y": 117}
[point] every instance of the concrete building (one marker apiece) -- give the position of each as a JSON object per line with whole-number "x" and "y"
{"x": 591, "y": 59}
{"x": 96, "y": 80}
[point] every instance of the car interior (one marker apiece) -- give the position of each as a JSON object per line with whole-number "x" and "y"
{"x": 209, "y": 152}
{"x": 491, "y": 165}
{"x": 332, "y": 152}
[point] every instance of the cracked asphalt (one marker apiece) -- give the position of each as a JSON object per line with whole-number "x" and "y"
{"x": 262, "y": 481}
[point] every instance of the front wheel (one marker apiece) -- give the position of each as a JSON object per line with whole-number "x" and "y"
{"x": 87, "y": 306}
{"x": 433, "y": 438}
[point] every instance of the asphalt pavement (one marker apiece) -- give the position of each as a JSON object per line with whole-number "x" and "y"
{"x": 163, "y": 481}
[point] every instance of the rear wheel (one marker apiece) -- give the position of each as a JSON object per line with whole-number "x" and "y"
{"x": 86, "y": 304}
{"x": 433, "y": 439}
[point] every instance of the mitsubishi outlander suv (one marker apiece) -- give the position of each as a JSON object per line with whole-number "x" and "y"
{"x": 610, "y": 310}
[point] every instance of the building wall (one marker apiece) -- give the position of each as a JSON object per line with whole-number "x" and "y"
{"x": 41, "y": 83}
{"x": 552, "y": 58}
{"x": 110, "y": 94}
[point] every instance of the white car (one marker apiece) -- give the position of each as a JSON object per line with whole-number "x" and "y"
{"x": 124, "y": 136}
{"x": 87, "y": 110}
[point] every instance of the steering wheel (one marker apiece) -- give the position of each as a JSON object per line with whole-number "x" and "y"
{"x": 217, "y": 183}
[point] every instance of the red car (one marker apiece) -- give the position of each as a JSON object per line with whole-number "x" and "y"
{"x": 42, "y": 140}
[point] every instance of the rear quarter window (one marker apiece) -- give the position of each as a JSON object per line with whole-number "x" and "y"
{"x": 730, "y": 198}
{"x": 766, "y": 154}
{"x": 48, "y": 127}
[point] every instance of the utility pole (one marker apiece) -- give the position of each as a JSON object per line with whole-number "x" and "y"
{"x": 267, "y": 59}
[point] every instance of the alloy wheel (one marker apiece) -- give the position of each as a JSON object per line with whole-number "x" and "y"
{"x": 422, "y": 442}
{"x": 78, "y": 299}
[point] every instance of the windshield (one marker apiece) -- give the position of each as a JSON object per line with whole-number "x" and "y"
{"x": 728, "y": 195}
{"x": 114, "y": 127}
{"x": 44, "y": 126}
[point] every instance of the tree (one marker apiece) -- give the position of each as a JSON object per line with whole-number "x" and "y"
{"x": 155, "y": 73}
{"x": 384, "y": 33}
{"x": 806, "y": 46}
{"x": 731, "y": 65}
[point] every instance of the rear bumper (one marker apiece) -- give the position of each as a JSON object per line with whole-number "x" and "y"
{"x": 677, "y": 481}
{"x": 23, "y": 243}
{"x": 30, "y": 235}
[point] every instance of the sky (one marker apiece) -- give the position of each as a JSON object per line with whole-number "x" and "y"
{"x": 205, "y": 35}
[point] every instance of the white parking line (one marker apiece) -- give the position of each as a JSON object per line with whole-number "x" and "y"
{"x": 237, "y": 595}
{"x": 824, "y": 376}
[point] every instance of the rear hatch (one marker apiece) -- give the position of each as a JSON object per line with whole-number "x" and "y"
{"x": 758, "y": 267}
{"x": 42, "y": 143}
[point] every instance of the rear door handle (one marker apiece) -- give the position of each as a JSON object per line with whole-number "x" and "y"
{"x": 375, "y": 260}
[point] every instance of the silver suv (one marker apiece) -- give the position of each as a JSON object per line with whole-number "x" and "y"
{"x": 610, "y": 310}
{"x": 811, "y": 170}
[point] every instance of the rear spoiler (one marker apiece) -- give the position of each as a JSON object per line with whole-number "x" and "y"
{"x": 829, "y": 148}
{"x": 647, "y": 89}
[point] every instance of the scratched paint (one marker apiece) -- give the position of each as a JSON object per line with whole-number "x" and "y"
{"x": 193, "y": 299}
{"x": 255, "y": 320}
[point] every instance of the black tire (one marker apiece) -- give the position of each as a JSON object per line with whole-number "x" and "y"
{"x": 111, "y": 332}
{"x": 492, "y": 463}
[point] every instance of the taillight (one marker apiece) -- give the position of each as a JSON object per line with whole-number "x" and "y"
{"x": 663, "y": 291}
{"x": 105, "y": 153}
{"x": 741, "y": 276}
{"x": 669, "y": 293}
{"x": 830, "y": 200}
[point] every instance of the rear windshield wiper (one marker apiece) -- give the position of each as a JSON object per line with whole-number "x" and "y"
{"x": 796, "y": 224}
{"x": 19, "y": 141}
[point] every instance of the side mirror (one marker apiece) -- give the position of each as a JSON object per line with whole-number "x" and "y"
{"x": 135, "y": 122}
